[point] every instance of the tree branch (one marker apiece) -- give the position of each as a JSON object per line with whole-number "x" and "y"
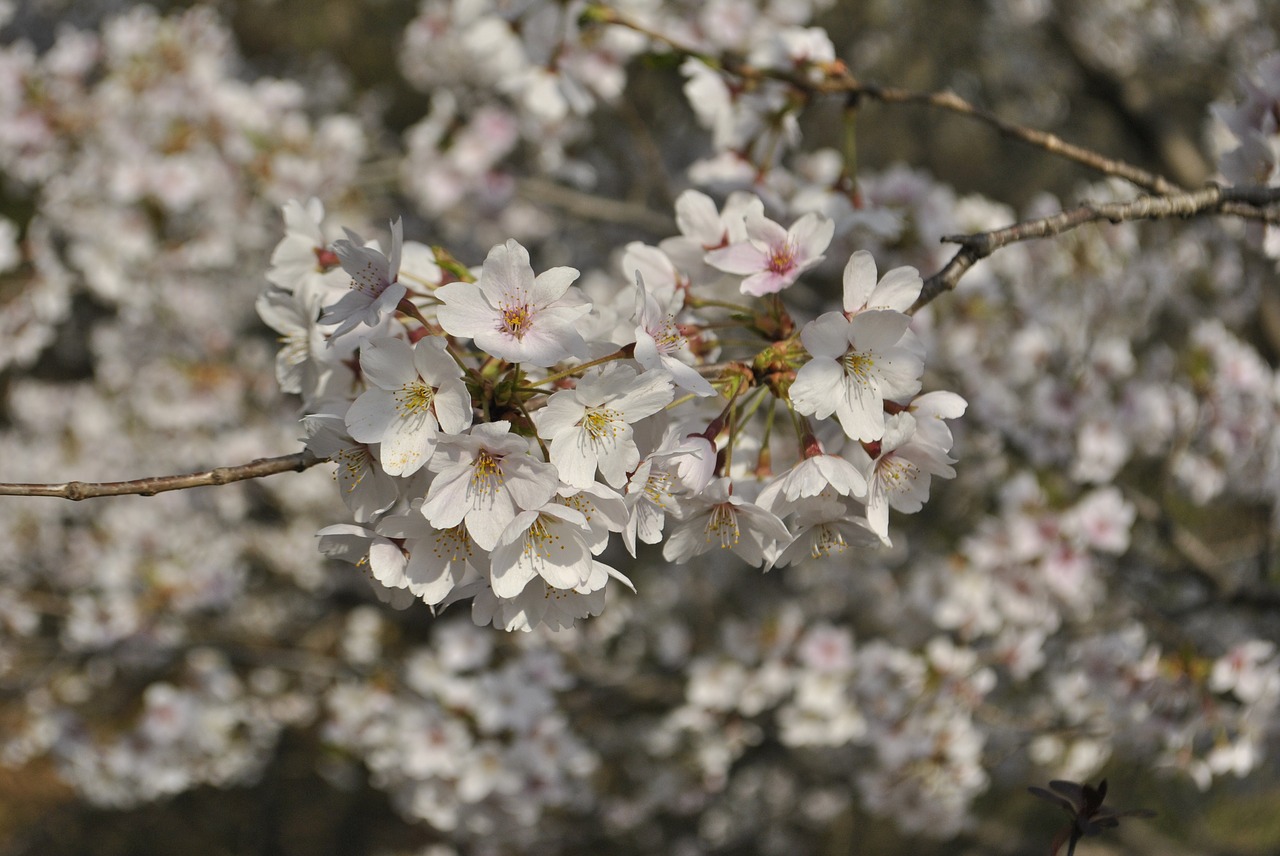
{"x": 152, "y": 485}
{"x": 589, "y": 207}
{"x": 837, "y": 80}
{"x": 1258, "y": 203}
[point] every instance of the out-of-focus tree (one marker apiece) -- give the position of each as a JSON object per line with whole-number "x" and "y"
{"x": 671, "y": 289}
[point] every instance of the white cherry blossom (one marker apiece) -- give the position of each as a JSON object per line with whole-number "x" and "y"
{"x": 484, "y": 479}
{"x": 415, "y": 392}
{"x": 366, "y": 489}
{"x": 375, "y": 290}
{"x": 901, "y": 472}
{"x": 590, "y": 426}
{"x": 858, "y": 363}
{"x": 658, "y": 341}
{"x": 438, "y": 559}
{"x": 548, "y": 542}
{"x": 897, "y": 290}
{"x": 718, "y": 518}
{"x": 514, "y": 315}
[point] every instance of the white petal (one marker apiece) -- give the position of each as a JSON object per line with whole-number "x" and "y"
{"x": 859, "y": 280}
{"x": 898, "y": 290}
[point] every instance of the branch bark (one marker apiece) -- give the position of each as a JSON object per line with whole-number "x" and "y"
{"x": 837, "y": 80}
{"x": 77, "y": 490}
{"x": 1257, "y": 203}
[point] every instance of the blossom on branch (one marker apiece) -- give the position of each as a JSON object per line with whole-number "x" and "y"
{"x": 415, "y": 392}
{"x": 858, "y": 364}
{"x": 375, "y": 288}
{"x": 772, "y": 258}
{"x": 513, "y": 315}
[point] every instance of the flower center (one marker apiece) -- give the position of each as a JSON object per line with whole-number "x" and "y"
{"x": 370, "y": 280}
{"x": 830, "y": 540}
{"x": 451, "y": 545}
{"x": 602, "y": 423}
{"x": 486, "y": 476}
{"x": 415, "y": 397}
{"x": 354, "y": 463}
{"x": 896, "y": 473}
{"x": 857, "y": 365}
{"x": 657, "y": 488}
{"x": 516, "y": 320}
{"x": 539, "y": 541}
{"x": 666, "y": 336}
{"x": 723, "y": 524}
{"x": 782, "y": 258}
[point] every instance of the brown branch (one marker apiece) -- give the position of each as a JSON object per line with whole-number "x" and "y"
{"x": 1050, "y": 143}
{"x": 257, "y": 469}
{"x": 1258, "y": 203}
{"x": 586, "y": 206}
{"x": 837, "y": 80}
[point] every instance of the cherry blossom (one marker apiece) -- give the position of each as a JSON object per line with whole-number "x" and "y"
{"x": 415, "y": 392}
{"x": 514, "y": 315}
{"x": 590, "y": 426}
{"x": 858, "y": 364}
{"x": 484, "y": 478}
{"x": 771, "y": 257}
{"x": 658, "y": 340}
{"x": 717, "y": 518}
{"x": 375, "y": 289}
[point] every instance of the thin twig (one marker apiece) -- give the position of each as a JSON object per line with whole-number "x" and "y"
{"x": 837, "y": 80}
{"x": 152, "y": 485}
{"x": 1050, "y": 143}
{"x": 587, "y": 206}
{"x": 1257, "y": 203}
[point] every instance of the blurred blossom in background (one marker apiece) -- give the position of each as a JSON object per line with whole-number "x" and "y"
{"x": 1094, "y": 592}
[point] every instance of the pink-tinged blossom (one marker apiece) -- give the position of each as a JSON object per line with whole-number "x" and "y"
{"x": 704, "y": 228}
{"x": 375, "y": 290}
{"x": 716, "y": 517}
{"x": 658, "y": 341}
{"x": 858, "y": 363}
{"x": 1251, "y": 671}
{"x": 772, "y": 257}
{"x": 514, "y": 315}
{"x": 415, "y": 392}
{"x": 1101, "y": 521}
{"x": 483, "y": 479}
{"x": 826, "y": 649}
{"x": 590, "y": 426}
{"x": 897, "y": 290}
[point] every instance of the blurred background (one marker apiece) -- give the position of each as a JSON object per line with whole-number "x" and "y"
{"x": 184, "y": 673}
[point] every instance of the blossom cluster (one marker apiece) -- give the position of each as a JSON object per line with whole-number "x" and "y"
{"x": 490, "y": 746}
{"x": 1091, "y": 593}
{"x": 494, "y": 428}
{"x": 153, "y": 169}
